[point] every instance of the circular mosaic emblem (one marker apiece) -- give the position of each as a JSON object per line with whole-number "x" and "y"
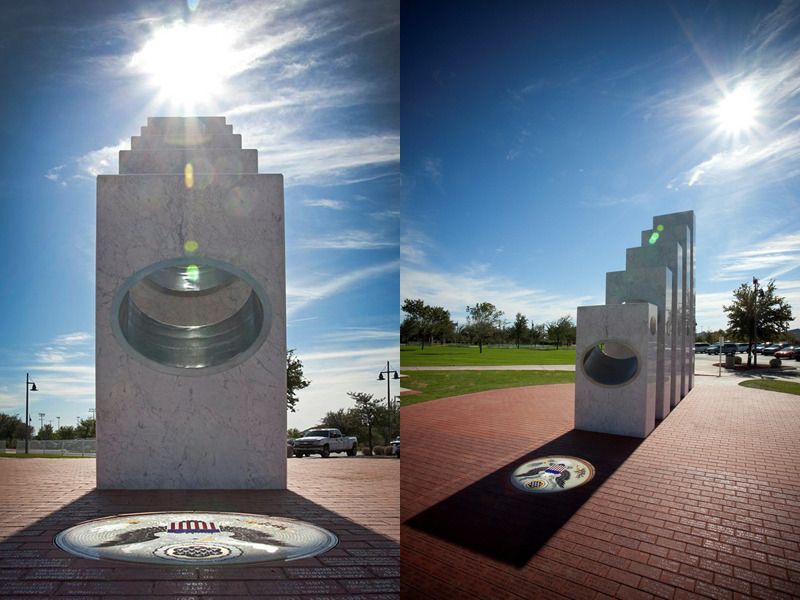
{"x": 196, "y": 538}
{"x": 548, "y": 474}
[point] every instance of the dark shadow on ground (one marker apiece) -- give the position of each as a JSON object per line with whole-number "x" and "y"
{"x": 31, "y": 563}
{"x": 493, "y": 518}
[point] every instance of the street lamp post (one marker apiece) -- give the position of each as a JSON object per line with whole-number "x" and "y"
{"x": 395, "y": 375}
{"x": 755, "y": 320}
{"x": 32, "y": 386}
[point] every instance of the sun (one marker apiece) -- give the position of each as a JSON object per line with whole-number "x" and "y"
{"x": 188, "y": 64}
{"x": 737, "y": 113}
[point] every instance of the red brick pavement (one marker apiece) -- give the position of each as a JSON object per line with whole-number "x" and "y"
{"x": 707, "y": 506}
{"x": 356, "y": 498}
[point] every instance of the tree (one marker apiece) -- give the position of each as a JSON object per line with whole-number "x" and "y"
{"x": 65, "y": 432}
{"x": 537, "y": 332}
{"x": 369, "y": 409}
{"x": 425, "y": 322}
{"x": 87, "y": 429}
{"x": 757, "y": 314}
{"x": 45, "y": 433}
{"x": 561, "y": 330}
{"x": 12, "y": 428}
{"x": 483, "y": 320}
{"x": 293, "y": 432}
{"x": 294, "y": 379}
{"x": 520, "y": 327}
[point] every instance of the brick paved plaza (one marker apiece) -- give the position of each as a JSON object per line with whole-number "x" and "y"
{"x": 707, "y": 506}
{"x": 355, "y": 498}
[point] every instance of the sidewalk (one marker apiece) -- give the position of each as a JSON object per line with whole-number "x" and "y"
{"x": 707, "y": 506}
{"x": 355, "y": 498}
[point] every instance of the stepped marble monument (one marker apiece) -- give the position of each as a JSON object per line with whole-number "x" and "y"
{"x": 190, "y": 313}
{"x": 635, "y": 354}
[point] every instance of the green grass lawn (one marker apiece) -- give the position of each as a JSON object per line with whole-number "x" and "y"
{"x": 442, "y": 384}
{"x": 773, "y": 385}
{"x": 451, "y": 356}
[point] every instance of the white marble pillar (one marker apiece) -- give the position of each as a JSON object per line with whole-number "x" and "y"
{"x": 190, "y": 314}
{"x": 652, "y": 285}
{"x": 668, "y": 222}
{"x": 615, "y": 375}
{"x": 669, "y": 255}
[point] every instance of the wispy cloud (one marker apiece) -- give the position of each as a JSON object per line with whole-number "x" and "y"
{"x": 361, "y": 335}
{"x": 104, "y": 161}
{"x": 301, "y": 295}
{"x": 54, "y": 175}
{"x": 350, "y": 240}
{"x": 771, "y": 152}
{"x": 455, "y": 290}
{"x": 326, "y": 203}
{"x": 312, "y": 160}
{"x": 774, "y": 257}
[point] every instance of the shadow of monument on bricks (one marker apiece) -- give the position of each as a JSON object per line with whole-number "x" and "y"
{"x": 494, "y": 518}
{"x": 362, "y": 557}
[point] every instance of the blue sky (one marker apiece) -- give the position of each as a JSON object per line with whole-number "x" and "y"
{"x": 314, "y": 86}
{"x": 540, "y": 139}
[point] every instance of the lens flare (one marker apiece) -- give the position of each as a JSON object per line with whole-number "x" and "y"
{"x": 192, "y": 273}
{"x": 188, "y": 176}
{"x": 659, "y": 228}
{"x": 191, "y": 246}
{"x": 653, "y": 238}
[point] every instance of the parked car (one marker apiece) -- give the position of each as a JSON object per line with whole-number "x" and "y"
{"x": 770, "y": 350}
{"x": 797, "y": 352}
{"x": 323, "y": 442}
{"x": 700, "y": 347}
{"x": 743, "y": 347}
{"x": 786, "y": 352}
{"x": 713, "y": 349}
{"x": 289, "y": 448}
{"x": 730, "y": 348}
{"x": 396, "y": 446}
{"x": 760, "y": 348}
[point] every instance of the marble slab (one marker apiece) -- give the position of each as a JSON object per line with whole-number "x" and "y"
{"x": 652, "y": 285}
{"x": 679, "y": 219}
{"x": 615, "y": 388}
{"x": 669, "y": 255}
{"x": 162, "y": 427}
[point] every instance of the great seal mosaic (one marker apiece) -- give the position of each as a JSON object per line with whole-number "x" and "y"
{"x": 193, "y": 538}
{"x": 548, "y": 474}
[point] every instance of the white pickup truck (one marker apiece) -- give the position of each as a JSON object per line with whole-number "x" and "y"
{"x": 323, "y": 442}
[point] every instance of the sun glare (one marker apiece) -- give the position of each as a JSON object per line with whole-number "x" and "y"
{"x": 188, "y": 64}
{"x": 737, "y": 112}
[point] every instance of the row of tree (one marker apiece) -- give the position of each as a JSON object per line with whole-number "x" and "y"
{"x": 485, "y": 325}
{"x": 13, "y": 428}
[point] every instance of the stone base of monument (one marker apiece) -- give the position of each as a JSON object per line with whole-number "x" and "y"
{"x": 615, "y": 378}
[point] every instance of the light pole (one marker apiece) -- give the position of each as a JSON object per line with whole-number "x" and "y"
{"x": 395, "y": 375}
{"x": 58, "y": 420}
{"x": 32, "y": 388}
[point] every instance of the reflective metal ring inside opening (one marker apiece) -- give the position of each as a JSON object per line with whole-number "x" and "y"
{"x": 191, "y": 315}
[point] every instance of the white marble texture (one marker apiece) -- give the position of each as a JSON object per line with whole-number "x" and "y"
{"x": 652, "y": 285}
{"x": 159, "y": 430}
{"x": 629, "y": 408}
{"x": 680, "y": 234}
{"x": 679, "y": 219}
{"x": 669, "y": 255}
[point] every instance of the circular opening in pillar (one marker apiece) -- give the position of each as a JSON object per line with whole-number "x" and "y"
{"x": 549, "y": 474}
{"x": 610, "y": 363}
{"x": 191, "y": 315}
{"x": 193, "y": 538}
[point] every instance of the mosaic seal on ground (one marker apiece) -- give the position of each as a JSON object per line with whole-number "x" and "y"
{"x": 548, "y": 474}
{"x": 192, "y": 538}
